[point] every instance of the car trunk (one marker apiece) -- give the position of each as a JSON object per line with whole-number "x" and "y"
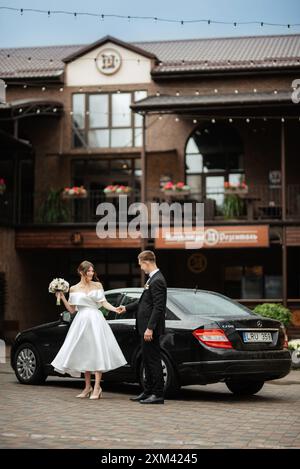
{"x": 253, "y": 333}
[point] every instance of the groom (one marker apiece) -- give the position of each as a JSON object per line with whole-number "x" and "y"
{"x": 150, "y": 323}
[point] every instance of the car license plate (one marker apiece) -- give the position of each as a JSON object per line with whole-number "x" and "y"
{"x": 257, "y": 337}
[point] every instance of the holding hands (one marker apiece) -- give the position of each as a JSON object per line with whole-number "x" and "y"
{"x": 120, "y": 309}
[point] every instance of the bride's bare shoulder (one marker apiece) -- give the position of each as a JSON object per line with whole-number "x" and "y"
{"x": 98, "y": 285}
{"x": 73, "y": 288}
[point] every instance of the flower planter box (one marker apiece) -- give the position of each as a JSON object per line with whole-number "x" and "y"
{"x": 175, "y": 193}
{"x": 235, "y": 191}
{"x": 74, "y": 196}
{"x": 113, "y": 195}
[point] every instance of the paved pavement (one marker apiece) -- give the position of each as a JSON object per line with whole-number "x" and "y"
{"x": 50, "y": 416}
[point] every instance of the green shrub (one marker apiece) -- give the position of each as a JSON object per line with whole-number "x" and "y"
{"x": 274, "y": 311}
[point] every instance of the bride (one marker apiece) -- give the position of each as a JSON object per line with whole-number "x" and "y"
{"x": 90, "y": 345}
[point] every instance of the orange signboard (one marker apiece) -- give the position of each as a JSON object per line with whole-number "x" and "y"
{"x": 246, "y": 236}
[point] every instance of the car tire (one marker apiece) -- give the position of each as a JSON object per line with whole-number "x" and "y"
{"x": 28, "y": 366}
{"x": 171, "y": 386}
{"x": 244, "y": 388}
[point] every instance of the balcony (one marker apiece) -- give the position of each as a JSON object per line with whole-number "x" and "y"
{"x": 260, "y": 203}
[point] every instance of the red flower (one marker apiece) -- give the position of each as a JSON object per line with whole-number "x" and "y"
{"x": 168, "y": 185}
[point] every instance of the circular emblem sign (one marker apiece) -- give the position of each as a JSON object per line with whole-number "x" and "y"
{"x": 197, "y": 263}
{"x": 108, "y": 61}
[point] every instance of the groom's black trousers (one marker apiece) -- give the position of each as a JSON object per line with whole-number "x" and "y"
{"x": 154, "y": 381}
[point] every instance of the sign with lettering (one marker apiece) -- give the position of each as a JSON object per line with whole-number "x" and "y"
{"x": 108, "y": 61}
{"x": 217, "y": 237}
{"x": 2, "y": 92}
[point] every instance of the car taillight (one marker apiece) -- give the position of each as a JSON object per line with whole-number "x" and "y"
{"x": 212, "y": 337}
{"x": 286, "y": 340}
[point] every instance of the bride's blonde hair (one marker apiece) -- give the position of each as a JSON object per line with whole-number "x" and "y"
{"x": 84, "y": 267}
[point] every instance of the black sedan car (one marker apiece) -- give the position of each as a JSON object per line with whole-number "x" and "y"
{"x": 209, "y": 338}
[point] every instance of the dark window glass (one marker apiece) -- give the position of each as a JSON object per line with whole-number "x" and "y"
{"x": 207, "y": 304}
{"x": 115, "y": 300}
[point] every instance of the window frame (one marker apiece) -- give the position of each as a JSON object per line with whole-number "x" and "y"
{"x": 87, "y": 129}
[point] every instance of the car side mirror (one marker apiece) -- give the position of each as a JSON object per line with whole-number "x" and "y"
{"x": 65, "y": 316}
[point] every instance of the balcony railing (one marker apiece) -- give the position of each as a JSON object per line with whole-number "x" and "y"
{"x": 260, "y": 203}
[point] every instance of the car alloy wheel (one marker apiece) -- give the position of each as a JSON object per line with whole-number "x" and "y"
{"x": 171, "y": 386}
{"x": 165, "y": 373}
{"x": 27, "y": 365}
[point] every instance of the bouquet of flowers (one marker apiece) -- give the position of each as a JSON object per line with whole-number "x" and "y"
{"x": 58, "y": 285}
{"x": 2, "y": 186}
{"x": 76, "y": 191}
{"x": 117, "y": 189}
{"x": 177, "y": 186}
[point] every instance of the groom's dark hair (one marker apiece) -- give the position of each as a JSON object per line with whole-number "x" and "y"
{"x": 147, "y": 256}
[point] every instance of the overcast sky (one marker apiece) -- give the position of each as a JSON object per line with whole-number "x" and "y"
{"x": 32, "y": 29}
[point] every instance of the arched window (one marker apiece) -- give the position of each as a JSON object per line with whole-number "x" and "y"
{"x": 213, "y": 156}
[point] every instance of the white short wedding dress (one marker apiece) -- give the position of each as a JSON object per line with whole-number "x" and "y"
{"x": 90, "y": 344}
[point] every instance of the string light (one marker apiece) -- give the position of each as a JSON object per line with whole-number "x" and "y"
{"x": 188, "y": 118}
{"x": 156, "y": 19}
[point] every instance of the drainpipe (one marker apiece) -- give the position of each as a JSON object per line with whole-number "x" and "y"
{"x": 143, "y": 184}
{"x": 283, "y": 204}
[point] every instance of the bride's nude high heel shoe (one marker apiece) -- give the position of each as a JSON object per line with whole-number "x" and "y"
{"x": 96, "y": 396}
{"x": 83, "y": 394}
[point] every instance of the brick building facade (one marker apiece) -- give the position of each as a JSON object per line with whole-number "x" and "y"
{"x": 212, "y": 111}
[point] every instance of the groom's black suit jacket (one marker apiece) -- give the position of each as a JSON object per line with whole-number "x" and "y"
{"x": 151, "y": 307}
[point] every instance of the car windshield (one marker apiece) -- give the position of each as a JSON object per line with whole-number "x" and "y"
{"x": 206, "y": 304}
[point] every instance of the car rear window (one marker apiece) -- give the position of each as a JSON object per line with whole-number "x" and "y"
{"x": 203, "y": 304}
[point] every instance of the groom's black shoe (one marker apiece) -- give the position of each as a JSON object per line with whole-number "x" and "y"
{"x": 140, "y": 397}
{"x": 153, "y": 399}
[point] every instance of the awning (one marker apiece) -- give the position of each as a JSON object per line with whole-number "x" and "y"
{"x": 8, "y": 140}
{"x": 30, "y": 107}
{"x": 270, "y": 103}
